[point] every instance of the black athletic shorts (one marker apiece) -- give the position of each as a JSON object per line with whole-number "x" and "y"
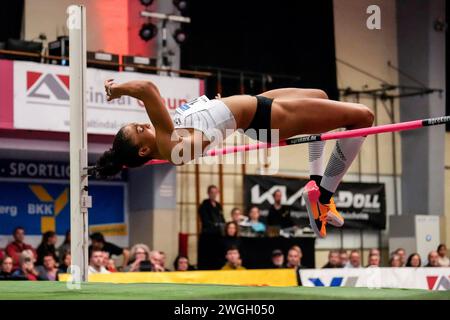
{"x": 261, "y": 120}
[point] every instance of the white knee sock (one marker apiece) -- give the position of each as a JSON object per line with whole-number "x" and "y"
{"x": 343, "y": 154}
{"x": 316, "y": 168}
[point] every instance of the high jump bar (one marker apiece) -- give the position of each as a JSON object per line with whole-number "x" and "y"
{"x": 401, "y": 126}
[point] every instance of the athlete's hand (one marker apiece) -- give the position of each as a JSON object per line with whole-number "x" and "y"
{"x": 111, "y": 92}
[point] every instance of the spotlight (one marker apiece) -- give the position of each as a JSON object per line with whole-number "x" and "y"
{"x": 146, "y": 2}
{"x": 148, "y": 31}
{"x": 180, "y": 36}
{"x": 181, "y": 5}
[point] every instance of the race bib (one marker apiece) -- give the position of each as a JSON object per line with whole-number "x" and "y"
{"x": 197, "y": 102}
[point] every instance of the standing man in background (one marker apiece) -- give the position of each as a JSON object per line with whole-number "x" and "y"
{"x": 212, "y": 230}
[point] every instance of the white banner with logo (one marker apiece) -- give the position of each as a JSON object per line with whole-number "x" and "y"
{"x": 41, "y": 98}
{"x": 375, "y": 278}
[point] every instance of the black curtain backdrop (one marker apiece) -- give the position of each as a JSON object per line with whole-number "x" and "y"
{"x": 283, "y": 37}
{"x": 11, "y": 19}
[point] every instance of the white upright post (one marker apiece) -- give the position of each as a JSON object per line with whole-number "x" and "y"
{"x": 79, "y": 199}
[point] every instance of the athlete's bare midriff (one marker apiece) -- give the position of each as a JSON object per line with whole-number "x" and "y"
{"x": 243, "y": 108}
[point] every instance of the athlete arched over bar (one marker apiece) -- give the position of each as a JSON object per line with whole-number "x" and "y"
{"x": 292, "y": 111}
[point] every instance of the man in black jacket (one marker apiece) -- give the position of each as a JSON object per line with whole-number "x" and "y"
{"x": 213, "y": 221}
{"x": 211, "y": 213}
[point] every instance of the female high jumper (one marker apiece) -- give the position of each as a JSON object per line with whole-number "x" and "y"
{"x": 196, "y": 124}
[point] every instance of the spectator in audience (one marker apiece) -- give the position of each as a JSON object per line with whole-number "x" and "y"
{"x": 26, "y": 271}
{"x": 48, "y": 271}
{"x": 64, "y": 247}
{"x": 374, "y": 260}
{"x": 6, "y": 271}
{"x": 414, "y": 261}
{"x": 163, "y": 260}
{"x": 402, "y": 255}
{"x": 139, "y": 259}
{"x": 96, "y": 262}
{"x": 237, "y": 216}
{"x": 433, "y": 259}
{"x": 277, "y": 259}
{"x": 47, "y": 246}
{"x": 99, "y": 243}
{"x": 395, "y": 261}
{"x": 354, "y": 260}
{"x": 15, "y": 248}
{"x": 334, "y": 260}
{"x": 444, "y": 261}
{"x": 294, "y": 257}
{"x": 66, "y": 260}
{"x": 343, "y": 256}
{"x": 2, "y": 255}
{"x": 108, "y": 262}
{"x": 231, "y": 235}
{"x": 233, "y": 259}
{"x": 181, "y": 263}
{"x": 155, "y": 259}
{"x": 257, "y": 227}
{"x": 211, "y": 213}
{"x": 375, "y": 251}
{"x": 279, "y": 215}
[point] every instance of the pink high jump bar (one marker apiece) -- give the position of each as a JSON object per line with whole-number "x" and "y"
{"x": 401, "y": 126}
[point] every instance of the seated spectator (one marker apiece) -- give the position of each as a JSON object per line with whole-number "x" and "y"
{"x": 233, "y": 259}
{"x": 374, "y": 260}
{"x": 256, "y": 228}
{"x": 2, "y": 255}
{"x": 279, "y": 215}
{"x": 181, "y": 263}
{"x": 294, "y": 257}
{"x": 237, "y": 216}
{"x": 414, "y": 261}
{"x": 375, "y": 251}
{"x": 277, "y": 259}
{"x": 334, "y": 260}
{"x": 444, "y": 261}
{"x": 108, "y": 262}
{"x": 64, "y": 247}
{"x": 96, "y": 262}
{"x": 343, "y": 256}
{"x": 47, "y": 246}
{"x": 231, "y": 237}
{"x": 6, "y": 270}
{"x": 395, "y": 261}
{"x": 354, "y": 260}
{"x": 156, "y": 261}
{"x": 15, "y": 248}
{"x": 139, "y": 259}
{"x": 433, "y": 259}
{"x": 402, "y": 255}
{"x": 48, "y": 271}
{"x": 163, "y": 260}
{"x": 26, "y": 270}
{"x": 99, "y": 243}
{"x": 65, "y": 262}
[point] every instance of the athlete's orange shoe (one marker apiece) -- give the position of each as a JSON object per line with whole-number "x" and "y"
{"x": 318, "y": 213}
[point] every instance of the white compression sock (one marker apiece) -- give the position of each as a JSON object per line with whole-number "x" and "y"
{"x": 343, "y": 154}
{"x": 316, "y": 168}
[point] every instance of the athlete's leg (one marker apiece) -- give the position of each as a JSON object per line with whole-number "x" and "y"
{"x": 303, "y": 115}
{"x": 294, "y": 93}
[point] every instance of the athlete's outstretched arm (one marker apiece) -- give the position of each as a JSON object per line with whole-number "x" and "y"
{"x": 148, "y": 93}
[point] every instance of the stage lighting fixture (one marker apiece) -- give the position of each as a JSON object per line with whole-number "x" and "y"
{"x": 146, "y": 2}
{"x": 180, "y": 36}
{"x": 148, "y": 31}
{"x": 181, "y": 5}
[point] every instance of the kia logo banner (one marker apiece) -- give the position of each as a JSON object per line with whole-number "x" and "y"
{"x": 363, "y": 205}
